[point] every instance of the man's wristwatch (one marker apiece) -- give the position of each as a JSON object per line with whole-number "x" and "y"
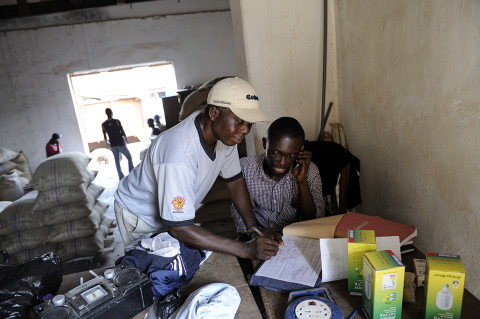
{"x": 251, "y": 233}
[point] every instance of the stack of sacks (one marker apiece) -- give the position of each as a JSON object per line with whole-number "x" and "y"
{"x": 15, "y": 174}
{"x": 20, "y": 227}
{"x": 214, "y": 212}
{"x": 65, "y": 212}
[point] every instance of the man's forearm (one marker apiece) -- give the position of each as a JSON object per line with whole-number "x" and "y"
{"x": 307, "y": 208}
{"x": 201, "y": 238}
{"x": 241, "y": 199}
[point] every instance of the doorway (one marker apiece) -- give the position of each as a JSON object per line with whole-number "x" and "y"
{"x": 133, "y": 93}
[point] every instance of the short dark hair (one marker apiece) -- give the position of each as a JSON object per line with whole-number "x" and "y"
{"x": 286, "y": 126}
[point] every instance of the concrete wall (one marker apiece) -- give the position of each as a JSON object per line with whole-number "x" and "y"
{"x": 37, "y": 53}
{"x": 409, "y": 99}
{"x": 279, "y": 48}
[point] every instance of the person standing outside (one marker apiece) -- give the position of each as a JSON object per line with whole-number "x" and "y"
{"x": 54, "y": 146}
{"x": 155, "y": 129}
{"x": 117, "y": 141}
{"x": 180, "y": 167}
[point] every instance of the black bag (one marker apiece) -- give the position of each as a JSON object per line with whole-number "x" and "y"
{"x": 169, "y": 304}
{"x": 24, "y": 285}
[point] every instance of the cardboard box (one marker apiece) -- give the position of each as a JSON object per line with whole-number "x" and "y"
{"x": 444, "y": 284}
{"x": 419, "y": 265}
{"x": 359, "y": 243}
{"x": 384, "y": 276}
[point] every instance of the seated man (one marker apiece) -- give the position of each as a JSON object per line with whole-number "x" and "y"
{"x": 284, "y": 186}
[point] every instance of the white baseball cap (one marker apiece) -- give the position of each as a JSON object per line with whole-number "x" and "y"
{"x": 240, "y": 97}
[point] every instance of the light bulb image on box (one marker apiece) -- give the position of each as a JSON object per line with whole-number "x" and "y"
{"x": 368, "y": 286}
{"x": 444, "y": 298}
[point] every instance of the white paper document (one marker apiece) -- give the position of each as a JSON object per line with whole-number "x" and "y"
{"x": 334, "y": 255}
{"x": 297, "y": 262}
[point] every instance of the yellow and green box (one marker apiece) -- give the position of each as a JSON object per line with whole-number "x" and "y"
{"x": 359, "y": 243}
{"x": 383, "y": 274}
{"x": 444, "y": 284}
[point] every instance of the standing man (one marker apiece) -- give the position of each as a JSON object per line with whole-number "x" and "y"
{"x": 117, "y": 141}
{"x": 284, "y": 186}
{"x": 180, "y": 167}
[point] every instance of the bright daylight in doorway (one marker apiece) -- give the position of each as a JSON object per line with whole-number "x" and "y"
{"x": 133, "y": 93}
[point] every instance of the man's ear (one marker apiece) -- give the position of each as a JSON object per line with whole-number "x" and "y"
{"x": 264, "y": 142}
{"x": 213, "y": 113}
{"x": 303, "y": 146}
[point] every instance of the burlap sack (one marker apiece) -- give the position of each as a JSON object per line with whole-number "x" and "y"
{"x": 28, "y": 239}
{"x": 7, "y": 167}
{"x": 64, "y": 169}
{"x": 6, "y": 154}
{"x": 23, "y": 181}
{"x": 23, "y": 166}
{"x": 72, "y": 211}
{"x": 19, "y": 215}
{"x": 105, "y": 225}
{"x": 78, "y": 228}
{"x": 219, "y": 191}
{"x": 50, "y": 198}
{"x": 213, "y": 211}
{"x": 11, "y": 188}
{"x": 4, "y": 204}
{"x": 82, "y": 247}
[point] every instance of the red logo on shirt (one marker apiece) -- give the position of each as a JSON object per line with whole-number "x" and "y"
{"x": 178, "y": 203}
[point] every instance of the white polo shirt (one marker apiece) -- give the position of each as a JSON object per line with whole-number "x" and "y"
{"x": 177, "y": 172}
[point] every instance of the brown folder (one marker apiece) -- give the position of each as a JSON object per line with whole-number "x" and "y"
{"x": 315, "y": 228}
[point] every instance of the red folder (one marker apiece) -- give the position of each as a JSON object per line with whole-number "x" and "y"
{"x": 381, "y": 226}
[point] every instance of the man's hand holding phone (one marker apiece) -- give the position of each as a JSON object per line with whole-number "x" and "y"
{"x": 300, "y": 167}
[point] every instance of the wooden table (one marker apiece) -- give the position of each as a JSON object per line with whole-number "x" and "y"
{"x": 276, "y": 303}
{"x": 222, "y": 268}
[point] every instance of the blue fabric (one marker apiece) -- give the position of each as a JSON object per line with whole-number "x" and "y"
{"x": 166, "y": 273}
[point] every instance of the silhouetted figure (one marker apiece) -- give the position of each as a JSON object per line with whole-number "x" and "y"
{"x": 155, "y": 129}
{"x": 117, "y": 141}
{"x": 54, "y": 146}
{"x": 157, "y": 120}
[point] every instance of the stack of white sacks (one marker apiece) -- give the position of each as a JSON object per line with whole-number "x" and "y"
{"x": 62, "y": 214}
{"x": 15, "y": 174}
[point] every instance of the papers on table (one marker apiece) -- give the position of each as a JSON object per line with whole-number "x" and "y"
{"x": 334, "y": 255}
{"x": 296, "y": 262}
{"x": 302, "y": 259}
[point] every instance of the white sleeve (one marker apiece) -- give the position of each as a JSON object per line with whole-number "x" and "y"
{"x": 176, "y": 198}
{"x": 231, "y": 167}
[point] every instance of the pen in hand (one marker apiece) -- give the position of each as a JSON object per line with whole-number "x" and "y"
{"x": 261, "y": 234}
{"x": 258, "y": 232}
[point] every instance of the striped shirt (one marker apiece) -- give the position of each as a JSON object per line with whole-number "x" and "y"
{"x": 275, "y": 203}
